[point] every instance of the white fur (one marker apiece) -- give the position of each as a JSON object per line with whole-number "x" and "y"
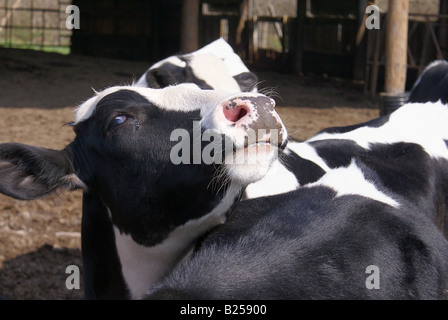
{"x": 278, "y": 180}
{"x": 306, "y": 151}
{"x": 214, "y": 72}
{"x": 224, "y": 51}
{"x": 421, "y": 123}
{"x": 215, "y": 63}
{"x": 351, "y": 181}
{"x": 183, "y": 98}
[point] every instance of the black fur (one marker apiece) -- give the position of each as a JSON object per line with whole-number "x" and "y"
{"x": 102, "y": 276}
{"x": 432, "y": 85}
{"x": 307, "y": 244}
{"x": 45, "y": 170}
{"x": 374, "y": 123}
{"x": 337, "y": 152}
{"x": 135, "y": 156}
{"x": 305, "y": 170}
{"x": 111, "y": 149}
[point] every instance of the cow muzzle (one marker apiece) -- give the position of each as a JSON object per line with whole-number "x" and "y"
{"x": 255, "y": 131}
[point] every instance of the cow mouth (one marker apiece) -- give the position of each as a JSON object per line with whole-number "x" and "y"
{"x": 255, "y": 153}
{"x": 260, "y": 146}
{"x": 251, "y": 162}
{"x": 255, "y": 149}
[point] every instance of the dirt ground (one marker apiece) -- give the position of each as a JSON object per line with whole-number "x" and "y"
{"x": 38, "y": 93}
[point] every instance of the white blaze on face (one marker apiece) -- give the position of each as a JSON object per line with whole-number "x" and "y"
{"x": 181, "y": 98}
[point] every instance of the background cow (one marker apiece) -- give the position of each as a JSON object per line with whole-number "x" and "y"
{"x": 215, "y": 66}
{"x": 399, "y": 147}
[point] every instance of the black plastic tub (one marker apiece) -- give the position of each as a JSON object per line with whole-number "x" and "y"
{"x": 391, "y": 102}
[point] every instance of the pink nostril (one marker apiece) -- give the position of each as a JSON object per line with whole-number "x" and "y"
{"x": 235, "y": 114}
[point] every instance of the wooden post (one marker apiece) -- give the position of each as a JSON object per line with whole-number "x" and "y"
{"x": 396, "y": 47}
{"x": 190, "y": 26}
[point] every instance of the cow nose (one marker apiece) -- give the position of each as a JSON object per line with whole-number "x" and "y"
{"x": 255, "y": 113}
{"x": 235, "y": 113}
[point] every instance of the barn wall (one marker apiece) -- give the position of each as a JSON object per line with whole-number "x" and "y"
{"x": 135, "y": 30}
{"x": 327, "y": 41}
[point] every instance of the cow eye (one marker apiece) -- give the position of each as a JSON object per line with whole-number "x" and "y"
{"x": 119, "y": 119}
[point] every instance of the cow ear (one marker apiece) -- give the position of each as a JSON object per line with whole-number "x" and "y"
{"x": 160, "y": 78}
{"x": 247, "y": 81}
{"x": 28, "y": 172}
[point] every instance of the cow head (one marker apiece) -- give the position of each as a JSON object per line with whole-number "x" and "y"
{"x": 215, "y": 66}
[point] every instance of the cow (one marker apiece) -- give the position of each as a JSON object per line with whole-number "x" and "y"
{"x": 347, "y": 236}
{"x": 369, "y": 200}
{"x": 217, "y": 66}
{"x": 432, "y": 84}
{"x": 305, "y": 162}
{"x": 406, "y": 149}
{"x": 136, "y": 151}
{"x": 349, "y": 214}
{"x": 214, "y": 66}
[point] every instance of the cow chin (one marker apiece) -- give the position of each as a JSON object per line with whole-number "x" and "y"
{"x": 250, "y": 164}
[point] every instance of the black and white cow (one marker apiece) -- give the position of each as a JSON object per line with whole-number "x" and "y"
{"x": 214, "y": 66}
{"x": 111, "y": 274}
{"x": 318, "y": 242}
{"x": 407, "y": 150}
{"x": 419, "y": 175}
{"x": 432, "y": 84}
{"x": 146, "y": 208}
{"x": 371, "y": 207}
{"x": 315, "y": 242}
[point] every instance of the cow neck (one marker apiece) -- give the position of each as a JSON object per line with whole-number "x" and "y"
{"x": 143, "y": 266}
